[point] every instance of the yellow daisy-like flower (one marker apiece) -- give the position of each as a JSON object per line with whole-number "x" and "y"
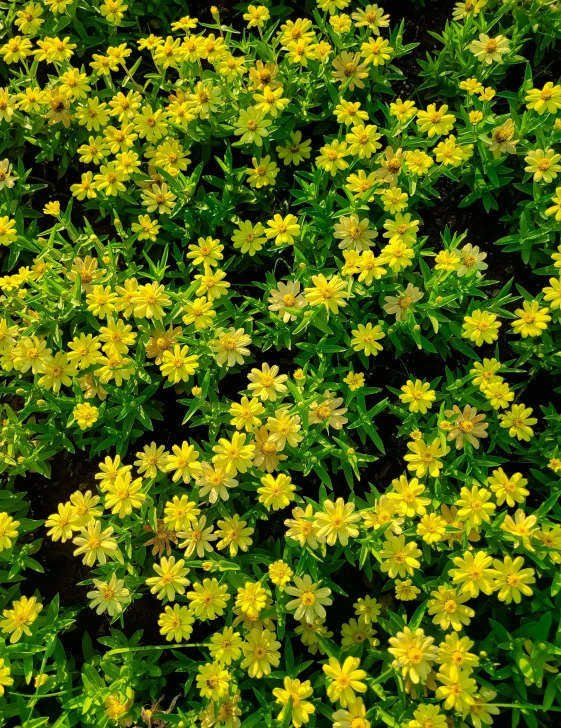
{"x": 546, "y": 99}
{"x": 490, "y": 50}
{"x": 345, "y": 680}
{"x": 366, "y": 337}
{"x": 418, "y": 395}
{"x": 399, "y": 558}
{"x": 448, "y": 610}
{"x": 424, "y": 458}
{"x": 519, "y": 422}
{"x": 481, "y": 327}
{"x": 414, "y": 654}
{"x": 532, "y": 320}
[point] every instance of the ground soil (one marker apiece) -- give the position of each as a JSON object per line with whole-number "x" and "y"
{"x": 72, "y": 472}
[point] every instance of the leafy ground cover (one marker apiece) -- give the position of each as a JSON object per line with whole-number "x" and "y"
{"x": 279, "y": 351}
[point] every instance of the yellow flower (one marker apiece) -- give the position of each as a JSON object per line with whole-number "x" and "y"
{"x": 403, "y": 110}
{"x": 546, "y": 99}
{"x": 113, "y": 10}
{"x": 180, "y": 512}
{"x": 328, "y": 412}
{"x": 20, "y": 617}
{"x": 124, "y": 495}
{"x": 418, "y": 162}
{"x": 85, "y": 415}
{"x": 425, "y": 458}
{"x": 332, "y": 157}
{"x": 365, "y": 339}
{"x": 213, "y": 680}
{"x": 348, "y": 112}
{"x": 28, "y": 19}
{"x": 435, "y": 121}
{"x": 263, "y": 173}
{"x": 349, "y": 71}
{"x": 101, "y": 301}
{"x": 280, "y": 573}
{"x": 354, "y": 381}
{"x": 296, "y": 150}
{"x": 394, "y": 200}
{"x": 266, "y": 382}
{"x": 251, "y": 598}
{"x": 399, "y": 558}
{"x": 418, "y": 395}
{"x": 58, "y": 371}
{"x": 233, "y": 455}
{"x": 63, "y": 523}
{"x": 454, "y": 655}
{"x": 543, "y": 164}
{"x": 302, "y": 527}
{"x": 511, "y": 580}
{"x": 327, "y": 292}
{"x": 448, "y": 609}
{"x": 521, "y": 527}
{"x": 5, "y": 679}
{"x": 256, "y": 16}
{"x": 249, "y": 238}
{"x": 414, "y": 654}
{"x": 363, "y": 140}
{"x": 260, "y": 653}
{"x": 16, "y": 49}
{"x": 449, "y": 153}
{"x": 183, "y": 463}
{"x": 52, "y": 208}
{"x": 518, "y": 422}
{"x": 508, "y": 489}
{"x": 346, "y": 680}
{"x": 367, "y": 610}
{"x": 457, "y": 690}
{"x": 473, "y": 573}
{"x": 235, "y": 534}
{"x": 171, "y": 579}
{"x": 475, "y": 116}
{"x": 555, "y": 209}
{"x": 431, "y": 528}
{"x": 176, "y": 623}
{"x": 294, "y": 693}
{"x": 8, "y": 530}
{"x": 474, "y": 506}
{"x": 95, "y": 544}
{"x": 532, "y": 319}
{"x": 481, "y": 327}
{"x": 245, "y": 414}
{"x": 177, "y": 366}
{"x": 276, "y": 493}
{"x": 489, "y": 50}
{"x": 376, "y": 51}
{"x": 407, "y": 497}
{"x": 208, "y": 600}
{"x": 428, "y": 716}
{"x": 472, "y": 86}
{"x": 335, "y": 522}
{"x": 159, "y": 198}
{"x": 283, "y": 230}
{"x": 225, "y": 646}
{"x": 213, "y": 285}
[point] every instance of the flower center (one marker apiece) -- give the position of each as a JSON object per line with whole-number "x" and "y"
{"x": 308, "y": 599}
{"x": 414, "y": 655}
{"x": 323, "y": 412}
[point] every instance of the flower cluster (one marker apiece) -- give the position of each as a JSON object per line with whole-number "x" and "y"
{"x": 282, "y": 410}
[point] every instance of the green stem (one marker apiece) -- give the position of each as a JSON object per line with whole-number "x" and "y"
{"x": 382, "y": 677}
{"x": 122, "y": 650}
